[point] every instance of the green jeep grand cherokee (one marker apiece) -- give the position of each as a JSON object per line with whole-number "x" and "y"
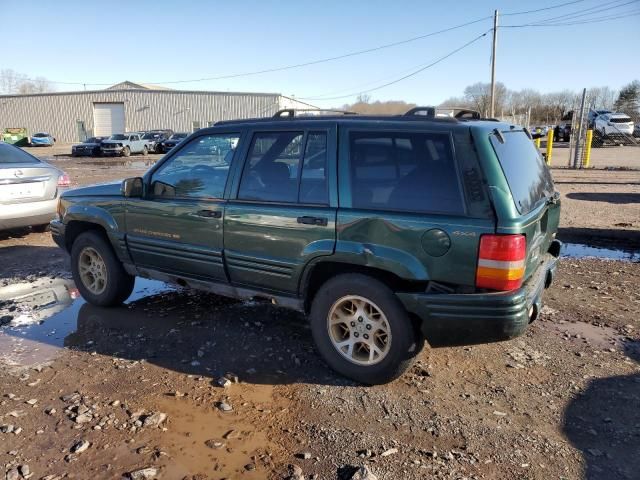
{"x": 386, "y": 230}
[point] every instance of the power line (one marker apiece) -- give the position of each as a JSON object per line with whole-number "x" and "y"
{"x": 300, "y": 65}
{"x": 616, "y": 16}
{"x": 553, "y": 7}
{"x": 320, "y": 97}
{"x": 585, "y": 22}
{"x": 583, "y": 12}
{"x": 597, "y": 19}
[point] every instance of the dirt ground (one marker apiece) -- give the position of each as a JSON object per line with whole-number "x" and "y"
{"x": 99, "y": 393}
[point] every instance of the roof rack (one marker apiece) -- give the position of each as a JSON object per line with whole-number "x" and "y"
{"x": 461, "y": 113}
{"x": 293, "y": 112}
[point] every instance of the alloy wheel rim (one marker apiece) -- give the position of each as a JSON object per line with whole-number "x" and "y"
{"x": 359, "y": 330}
{"x": 93, "y": 270}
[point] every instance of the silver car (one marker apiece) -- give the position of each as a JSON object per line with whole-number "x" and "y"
{"x": 29, "y": 189}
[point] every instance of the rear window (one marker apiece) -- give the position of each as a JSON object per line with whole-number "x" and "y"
{"x": 408, "y": 171}
{"x": 528, "y": 176}
{"x": 620, "y": 120}
{"x": 11, "y": 154}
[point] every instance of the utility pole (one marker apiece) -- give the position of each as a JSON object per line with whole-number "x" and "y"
{"x": 577, "y": 160}
{"x": 493, "y": 64}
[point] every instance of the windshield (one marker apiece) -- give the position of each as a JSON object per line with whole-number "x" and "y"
{"x": 11, "y": 154}
{"x": 178, "y": 136}
{"x": 527, "y": 175}
{"x": 150, "y": 136}
{"x": 40, "y": 135}
{"x": 93, "y": 140}
{"x": 118, "y": 136}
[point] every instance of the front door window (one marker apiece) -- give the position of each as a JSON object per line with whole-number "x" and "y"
{"x": 198, "y": 170}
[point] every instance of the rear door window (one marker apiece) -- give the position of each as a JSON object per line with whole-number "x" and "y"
{"x": 527, "y": 175}
{"x": 271, "y": 172}
{"x": 286, "y": 167}
{"x": 408, "y": 171}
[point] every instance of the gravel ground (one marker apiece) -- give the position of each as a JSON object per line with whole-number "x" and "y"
{"x": 140, "y": 390}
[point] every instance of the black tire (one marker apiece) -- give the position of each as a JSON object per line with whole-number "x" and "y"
{"x": 40, "y": 228}
{"x": 145, "y": 151}
{"x": 126, "y": 152}
{"x": 405, "y": 344}
{"x": 119, "y": 283}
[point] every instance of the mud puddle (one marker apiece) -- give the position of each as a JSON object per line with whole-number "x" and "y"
{"x": 120, "y": 163}
{"x": 37, "y": 317}
{"x": 579, "y": 250}
{"x": 205, "y": 440}
{"x": 600, "y": 337}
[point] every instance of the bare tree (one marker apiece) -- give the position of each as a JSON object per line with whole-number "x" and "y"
{"x": 12, "y": 82}
{"x": 390, "y": 107}
{"x": 456, "y": 102}
{"x": 478, "y": 96}
{"x": 601, "y": 97}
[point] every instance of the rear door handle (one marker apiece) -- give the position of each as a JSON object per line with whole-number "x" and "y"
{"x": 307, "y": 220}
{"x": 209, "y": 213}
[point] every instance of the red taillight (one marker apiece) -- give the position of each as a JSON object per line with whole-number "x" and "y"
{"x": 501, "y": 262}
{"x": 64, "y": 180}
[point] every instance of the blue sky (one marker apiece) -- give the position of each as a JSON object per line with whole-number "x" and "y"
{"x": 146, "y": 41}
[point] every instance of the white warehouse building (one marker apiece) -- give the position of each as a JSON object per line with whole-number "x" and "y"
{"x": 128, "y": 106}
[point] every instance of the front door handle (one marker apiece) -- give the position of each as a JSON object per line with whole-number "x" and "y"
{"x": 209, "y": 213}
{"x": 307, "y": 220}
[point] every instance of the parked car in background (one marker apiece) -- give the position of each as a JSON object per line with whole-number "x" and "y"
{"x": 562, "y": 132}
{"x": 636, "y": 130}
{"x": 42, "y": 139}
{"x": 365, "y": 223}
{"x": 29, "y": 189}
{"x": 614, "y": 124}
{"x": 172, "y": 141}
{"x": 89, "y": 148}
{"x": 154, "y": 138}
{"x": 593, "y": 114}
{"x": 124, "y": 144}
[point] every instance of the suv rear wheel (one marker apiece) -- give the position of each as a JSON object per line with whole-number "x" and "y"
{"x": 97, "y": 272}
{"x": 362, "y": 330}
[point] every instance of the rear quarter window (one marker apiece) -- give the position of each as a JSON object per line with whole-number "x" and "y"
{"x": 528, "y": 177}
{"x": 404, "y": 171}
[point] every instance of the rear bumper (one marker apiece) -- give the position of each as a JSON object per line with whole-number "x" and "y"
{"x": 466, "y": 319}
{"x": 26, "y": 214}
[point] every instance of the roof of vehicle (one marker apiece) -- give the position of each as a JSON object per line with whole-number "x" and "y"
{"x": 417, "y": 114}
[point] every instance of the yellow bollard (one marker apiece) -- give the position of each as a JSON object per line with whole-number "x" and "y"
{"x": 587, "y": 149}
{"x": 537, "y": 142}
{"x": 549, "y": 146}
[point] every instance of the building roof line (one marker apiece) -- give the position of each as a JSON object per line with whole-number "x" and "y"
{"x": 148, "y": 91}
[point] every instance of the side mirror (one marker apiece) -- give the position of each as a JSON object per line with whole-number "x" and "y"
{"x": 132, "y": 187}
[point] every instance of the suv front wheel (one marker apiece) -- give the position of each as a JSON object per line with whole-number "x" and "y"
{"x": 362, "y": 330}
{"x": 97, "y": 272}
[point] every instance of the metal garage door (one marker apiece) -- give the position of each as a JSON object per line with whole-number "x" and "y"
{"x": 108, "y": 118}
